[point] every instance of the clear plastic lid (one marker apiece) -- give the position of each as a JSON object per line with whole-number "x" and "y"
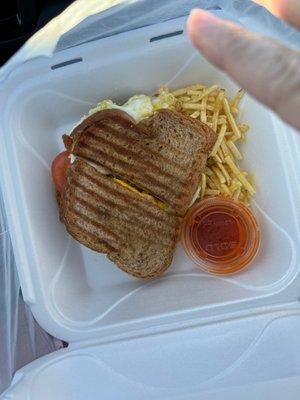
{"x": 221, "y": 235}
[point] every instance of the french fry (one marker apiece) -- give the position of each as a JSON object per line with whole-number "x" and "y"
{"x": 192, "y": 92}
{"x": 192, "y": 106}
{"x": 237, "y": 193}
{"x": 195, "y": 114}
{"x": 222, "y": 120}
{"x": 220, "y": 154}
{"x": 219, "y": 140}
{"x": 218, "y": 105}
{"x": 198, "y": 86}
{"x": 225, "y": 149}
{"x": 208, "y": 171}
{"x": 239, "y": 175}
{"x": 216, "y": 181}
{"x": 237, "y": 98}
{"x": 234, "y": 110}
{"x": 242, "y": 197}
{"x": 210, "y": 183}
{"x": 225, "y": 189}
{"x": 219, "y": 174}
{"x": 217, "y": 159}
{"x": 184, "y": 99}
{"x": 225, "y": 173}
{"x": 203, "y": 111}
{"x": 179, "y": 92}
{"x": 212, "y": 192}
{"x": 231, "y": 120}
{"x": 209, "y": 107}
{"x": 207, "y": 91}
{"x": 234, "y": 150}
{"x": 235, "y": 186}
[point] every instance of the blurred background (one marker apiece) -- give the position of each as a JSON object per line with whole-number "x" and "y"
{"x": 19, "y": 19}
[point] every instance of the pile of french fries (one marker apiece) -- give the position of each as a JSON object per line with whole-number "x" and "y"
{"x": 222, "y": 175}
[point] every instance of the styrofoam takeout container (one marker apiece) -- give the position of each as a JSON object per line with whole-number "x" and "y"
{"x": 187, "y": 333}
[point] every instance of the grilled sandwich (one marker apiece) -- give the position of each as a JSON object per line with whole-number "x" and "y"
{"x": 164, "y": 155}
{"x": 130, "y": 184}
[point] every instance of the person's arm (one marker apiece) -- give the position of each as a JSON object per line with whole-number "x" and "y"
{"x": 265, "y": 68}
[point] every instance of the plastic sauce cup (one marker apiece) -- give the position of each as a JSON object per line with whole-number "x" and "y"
{"x": 220, "y": 235}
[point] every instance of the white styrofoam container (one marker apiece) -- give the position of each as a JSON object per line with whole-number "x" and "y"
{"x": 188, "y": 332}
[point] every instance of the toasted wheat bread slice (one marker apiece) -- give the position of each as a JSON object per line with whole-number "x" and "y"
{"x": 135, "y": 234}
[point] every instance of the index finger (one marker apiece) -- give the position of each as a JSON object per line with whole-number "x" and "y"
{"x": 289, "y": 10}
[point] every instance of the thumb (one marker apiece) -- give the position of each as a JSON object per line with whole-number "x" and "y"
{"x": 266, "y": 69}
{"x": 288, "y": 10}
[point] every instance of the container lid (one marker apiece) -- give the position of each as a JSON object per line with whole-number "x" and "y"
{"x": 254, "y": 357}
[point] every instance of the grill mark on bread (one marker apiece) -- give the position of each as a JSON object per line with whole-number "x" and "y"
{"x": 126, "y": 152}
{"x": 132, "y": 222}
{"x": 112, "y": 192}
{"x": 135, "y": 140}
{"x": 135, "y": 160}
{"x": 103, "y": 246}
{"x": 105, "y": 199}
{"x": 140, "y": 207}
{"x": 131, "y": 171}
{"x": 121, "y": 232}
{"x": 96, "y": 223}
{"x": 131, "y": 219}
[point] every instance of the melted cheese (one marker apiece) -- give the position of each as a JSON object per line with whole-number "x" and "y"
{"x": 143, "y": 194}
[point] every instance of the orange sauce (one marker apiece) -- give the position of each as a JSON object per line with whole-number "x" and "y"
{"x": 220, "y": 235}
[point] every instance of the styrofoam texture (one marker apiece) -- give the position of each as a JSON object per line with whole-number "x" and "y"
{"x": 76, "y": 293}
{"x": 253, "y": 357}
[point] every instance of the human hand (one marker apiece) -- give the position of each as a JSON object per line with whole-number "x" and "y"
{"x": 266, "y": 69}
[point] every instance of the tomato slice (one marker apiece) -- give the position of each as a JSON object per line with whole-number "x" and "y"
{"x": 59, "y": 168}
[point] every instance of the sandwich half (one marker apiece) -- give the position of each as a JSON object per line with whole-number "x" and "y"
{"x": 134, "y": 233}
{"x": 130, "y": 184}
